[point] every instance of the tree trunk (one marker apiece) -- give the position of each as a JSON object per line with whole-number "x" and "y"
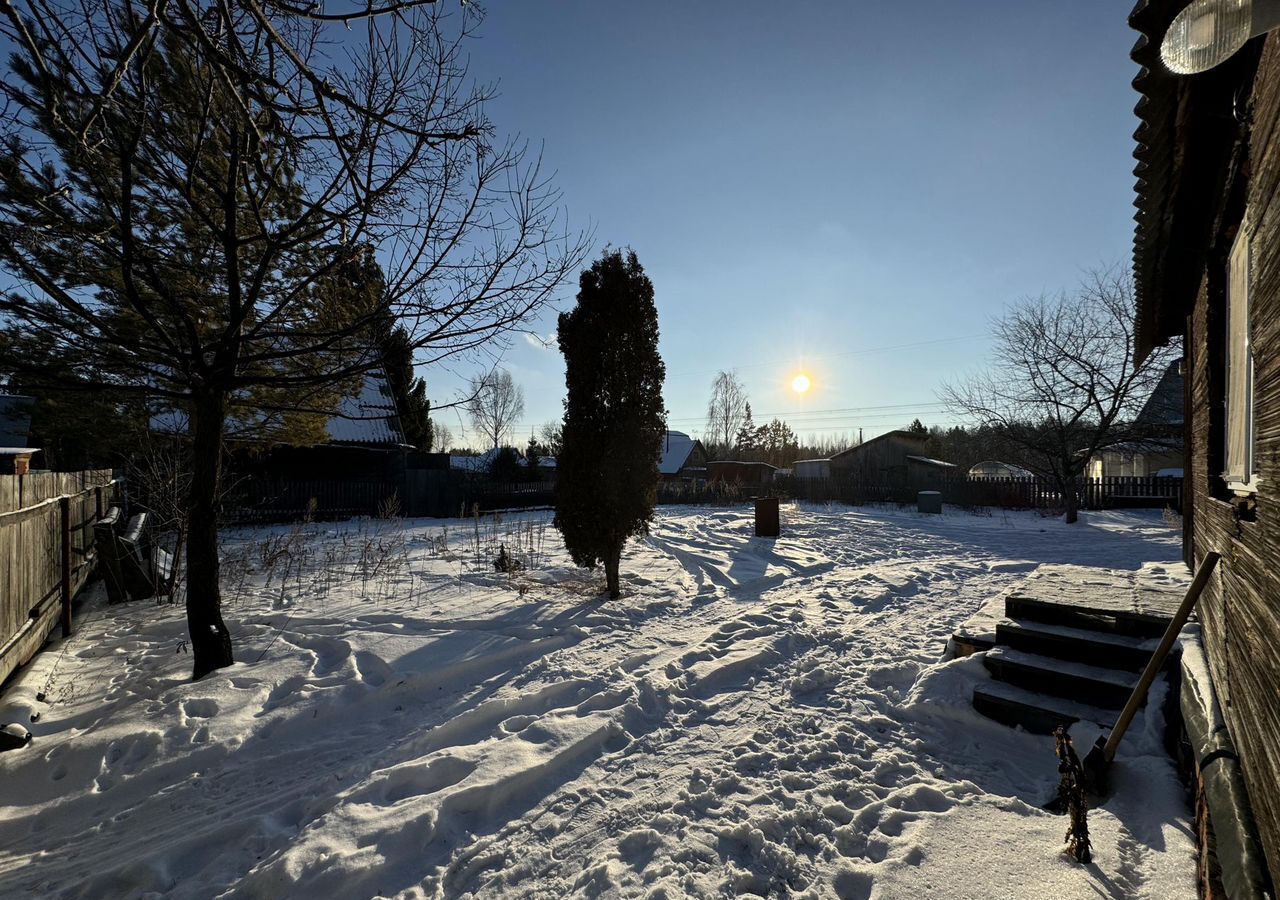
{"x": 210, "y": 640}
{"x": 1071, "y": 496}
{"x": 611, "y": 566}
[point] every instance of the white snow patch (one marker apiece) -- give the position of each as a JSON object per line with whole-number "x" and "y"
{"x": 753, "y": 716}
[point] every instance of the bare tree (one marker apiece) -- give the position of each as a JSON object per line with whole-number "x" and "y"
{"x": 213, "y": 205}
{"x": 441, "y": 436}
{"x": 726, "y": 413}
{"x": 552, "y": 436}
{"x": 1064, "y": 383}
{"x": 496, "y": 403}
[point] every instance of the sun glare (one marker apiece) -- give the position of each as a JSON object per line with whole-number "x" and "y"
{"x": 800, "y": 384}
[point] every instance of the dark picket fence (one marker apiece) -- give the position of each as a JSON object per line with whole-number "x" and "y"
{"x": 1113, "y": 492}
{"x": 417, "y": 493}
{"x": 446, "y": 494}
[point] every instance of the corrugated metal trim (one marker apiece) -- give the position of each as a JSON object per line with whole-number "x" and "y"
{"x": 1184, "y": 140}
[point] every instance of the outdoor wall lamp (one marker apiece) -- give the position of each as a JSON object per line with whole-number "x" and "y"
{"x": 1208, "y": 32}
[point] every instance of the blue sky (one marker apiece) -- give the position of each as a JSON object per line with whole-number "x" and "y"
{"x": 803, "y": 182}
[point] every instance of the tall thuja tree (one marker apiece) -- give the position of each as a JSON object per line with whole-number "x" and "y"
{"x": 409, "y": 390}
{"x": 607, "y": 468}
{"x": 188, "y": 195}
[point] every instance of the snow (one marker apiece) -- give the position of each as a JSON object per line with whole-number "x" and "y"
{"x": 676, "y": 447}
{"x": 368, "y": 417}
{"x": 752, "y": 716}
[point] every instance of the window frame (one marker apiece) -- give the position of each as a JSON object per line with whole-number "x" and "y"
{"x": 1240, "y": 475}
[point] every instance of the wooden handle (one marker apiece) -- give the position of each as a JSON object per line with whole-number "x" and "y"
{"x": 1156, "y": 662}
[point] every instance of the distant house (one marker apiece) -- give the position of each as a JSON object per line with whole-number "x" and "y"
{"x": 1205, "y": 258}
{"x": 365, "y": 439}
{"x": 1161, "y": 423}
{"x": 15, "y": 419}
{"x": 683, "y": 458}
{"x": 480, "y": 464}
{"x": 993, "y": 468}
{"x": 811, "y": 468}
{"x": 895, "y": 459}
{"x": 15, "y": 433}
{"x": 741, "y": 472}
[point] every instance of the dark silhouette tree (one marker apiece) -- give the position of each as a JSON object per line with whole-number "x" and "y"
{"x": 745, "y": 442}
{"x": 551, "y": 436}
{"x": 726, "y": 411}
{"x": 1064, "y": 383}
{"x": 495, "y": 405}
{"x": 918, "y": 428}
{"x": 188, "y": 196}
{"x": 607, "y": 469}
{"x": 409, "y": 390}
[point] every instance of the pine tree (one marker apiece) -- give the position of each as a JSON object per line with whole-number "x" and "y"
{"x": 746, "y": 439}
{"x": 613, "y": 415}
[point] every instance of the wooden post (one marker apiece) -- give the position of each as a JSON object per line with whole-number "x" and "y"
{"x": 64, "y": 507}
{"x": 1157, "y": 659}
{"x": 97, "y": 496}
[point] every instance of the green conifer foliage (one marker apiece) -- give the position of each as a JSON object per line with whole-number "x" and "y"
{"x": 613, "y": 413}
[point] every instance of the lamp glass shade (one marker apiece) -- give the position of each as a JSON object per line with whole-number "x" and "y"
{"x": 1206, "y": 34}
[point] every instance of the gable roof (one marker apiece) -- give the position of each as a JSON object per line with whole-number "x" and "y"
{"x": 677, "y": 447}
{"x": 369, "y": 417}
{"x": 366, "y": 419}
{"x": 1164, "y": 407}
{"x": 902, "y": 435}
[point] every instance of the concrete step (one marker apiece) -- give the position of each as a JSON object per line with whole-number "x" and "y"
{"x": 1016, "y": 707}
{"x": 1096, "y": 686}
{"x": 1093, "y": 618}
{"x": 1090, "y": 648}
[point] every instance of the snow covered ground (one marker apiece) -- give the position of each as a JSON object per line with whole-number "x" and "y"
{"x": 752, "y": 716}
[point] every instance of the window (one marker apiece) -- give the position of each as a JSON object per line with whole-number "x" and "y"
{"x": 1238, "y": 450}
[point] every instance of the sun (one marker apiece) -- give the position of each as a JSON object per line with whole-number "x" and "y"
{"x": 800, "y": 383}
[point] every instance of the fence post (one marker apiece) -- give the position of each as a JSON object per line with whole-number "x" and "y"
{"x": 64, "y": 507}
{"x": 97, "y": 496}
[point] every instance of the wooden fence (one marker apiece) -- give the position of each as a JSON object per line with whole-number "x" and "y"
{"x": 1007, "y": 493}
{"x": 46, "y": 554}
{"x": 445, "y": 494}
{"x": 441, "y": 494}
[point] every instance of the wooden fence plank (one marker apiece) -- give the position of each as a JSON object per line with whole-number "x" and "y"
{"x": 46, "y": 551}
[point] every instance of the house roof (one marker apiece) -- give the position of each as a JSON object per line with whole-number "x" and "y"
{"x": 902, "y": 435}
{"x": 1164, "y": 407}
{"x": 369, "y": 417}
{"x": 1184, "y": 149}
{"x": 677, "y": 447}
{"x": 483, "y": 461}
{"x": 937, "y": 463}
{"x": 15, "y": 420}
{"x": 366, "y": 419}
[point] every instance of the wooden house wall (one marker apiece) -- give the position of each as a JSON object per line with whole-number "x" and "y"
{"x": 1240, "y": 610}
{"x": 883, "y": 459}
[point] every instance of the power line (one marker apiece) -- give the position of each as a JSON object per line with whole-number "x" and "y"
{"x": 889, "y": 409}
{"x": 840, "y": 355}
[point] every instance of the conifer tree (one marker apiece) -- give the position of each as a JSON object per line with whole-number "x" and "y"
{"x": 613, "y": 414}
{"x": 746, "y": 440}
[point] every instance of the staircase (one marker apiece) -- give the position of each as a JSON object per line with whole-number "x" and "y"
{"x": 1056, "y": 663}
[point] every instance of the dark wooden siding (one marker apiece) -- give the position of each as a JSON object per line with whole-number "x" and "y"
{"x": 882, "y": 459}
{"x": 1241, "y": 607}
